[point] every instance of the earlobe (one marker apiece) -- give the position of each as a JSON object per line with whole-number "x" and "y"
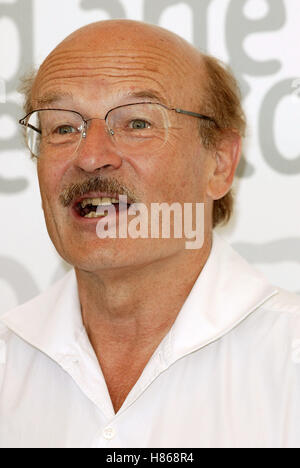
{"x": 226, "y": 160}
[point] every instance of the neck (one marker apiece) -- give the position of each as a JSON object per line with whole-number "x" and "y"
{"x": 127, "y": 313}
{"x": 132, "y": 304}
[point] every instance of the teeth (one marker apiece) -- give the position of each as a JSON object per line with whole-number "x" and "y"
{"x": 99, "y": 201}
{"x": 93, "y": 214}
{"x": 85, "y": 202}
{"x": 106, "y": 201}
{"x": 95, "y": 201}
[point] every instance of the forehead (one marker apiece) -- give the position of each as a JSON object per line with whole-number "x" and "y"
{"x": 102, "y": 66}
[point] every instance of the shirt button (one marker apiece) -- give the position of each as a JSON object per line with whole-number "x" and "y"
{"x": 109, "y": 433}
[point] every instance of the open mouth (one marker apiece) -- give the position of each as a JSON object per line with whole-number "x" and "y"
{"x": 87, "y": 207}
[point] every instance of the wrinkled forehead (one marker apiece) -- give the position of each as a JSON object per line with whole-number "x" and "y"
{"x": 123, "y": 59}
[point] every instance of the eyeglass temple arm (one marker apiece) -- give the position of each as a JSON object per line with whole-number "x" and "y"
{"x": 22, "y": 122}
{"x": 194, "y": 114}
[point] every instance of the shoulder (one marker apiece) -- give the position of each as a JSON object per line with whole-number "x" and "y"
{"x": 279, "y": 314}
{"x": 284, "y": 302}
{"x": 4, "y": 335}
{"x": 272, "y": 333}
{"x": 45, "y": 298}
{"x": 282, "y": 311}
{"x": 27, "y": 325}
{"x": 36, "y": 309}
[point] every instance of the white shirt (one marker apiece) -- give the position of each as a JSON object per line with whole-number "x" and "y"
{"x": 226, "y": 375}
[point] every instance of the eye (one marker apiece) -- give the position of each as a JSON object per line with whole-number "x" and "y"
{"x": 139, "y": 124}
{"x": 65, "y": 130}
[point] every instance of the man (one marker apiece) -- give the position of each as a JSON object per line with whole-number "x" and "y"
{"x": 145, "y": 343}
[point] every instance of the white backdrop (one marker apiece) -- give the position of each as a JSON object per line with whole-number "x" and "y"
{"x": 258, "y": 38}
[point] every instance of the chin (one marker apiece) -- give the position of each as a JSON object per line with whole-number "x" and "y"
{"x": 103, "y": 255}
{"x": 117, "y": 254}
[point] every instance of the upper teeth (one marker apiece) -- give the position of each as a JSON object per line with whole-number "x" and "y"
{"x": 99, "y": 201}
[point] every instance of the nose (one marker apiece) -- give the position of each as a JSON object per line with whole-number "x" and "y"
{"x": 97, "y": 149}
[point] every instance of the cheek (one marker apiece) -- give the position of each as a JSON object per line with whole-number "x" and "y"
{"x": 180, "y": 172}
{"x": 49, "y": 176}
{"x": 158, "y": 176}
{"x": 173, "y": 174}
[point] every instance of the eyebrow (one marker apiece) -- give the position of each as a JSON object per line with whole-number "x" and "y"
{"x": 149, "y": 94}
{"x": 56, "y": 97}
{"x": 52, "y": 97}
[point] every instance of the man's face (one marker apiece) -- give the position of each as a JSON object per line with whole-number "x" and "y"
{"x": 92, "y": 74}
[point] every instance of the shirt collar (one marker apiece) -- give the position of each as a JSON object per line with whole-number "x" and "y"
{"x": 52, "y": 321}
{"x": 227, "y": 290}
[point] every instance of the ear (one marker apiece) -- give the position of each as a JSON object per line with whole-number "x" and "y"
{"x": 227, "y": 156}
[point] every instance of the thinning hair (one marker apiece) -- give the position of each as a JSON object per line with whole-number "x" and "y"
{"x": 222, "y": 101}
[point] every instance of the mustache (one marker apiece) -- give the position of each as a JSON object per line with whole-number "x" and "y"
{"x": 96, "y": 184}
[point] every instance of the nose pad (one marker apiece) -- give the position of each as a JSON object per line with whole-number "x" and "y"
{"x": 107, "y": 132}
{"x": 85, "y": 130}
{"x": 98, "y": 149}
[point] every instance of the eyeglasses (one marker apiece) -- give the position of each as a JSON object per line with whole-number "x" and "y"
{"x": 136, "y": 129}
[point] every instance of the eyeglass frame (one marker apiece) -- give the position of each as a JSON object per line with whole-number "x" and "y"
{"x": 85, "y": 121}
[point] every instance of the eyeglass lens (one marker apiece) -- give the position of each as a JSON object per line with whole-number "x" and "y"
{"x": 135, "y": 129}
